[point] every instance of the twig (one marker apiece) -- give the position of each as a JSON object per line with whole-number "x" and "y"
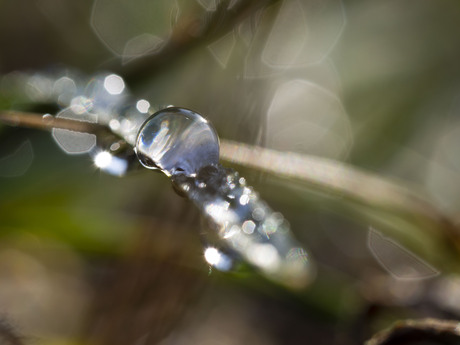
{"x": 431, "y": 331}
{"x": 319, "y": 173}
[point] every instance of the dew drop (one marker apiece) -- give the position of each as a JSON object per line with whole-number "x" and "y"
{"x": 177, "y": 139}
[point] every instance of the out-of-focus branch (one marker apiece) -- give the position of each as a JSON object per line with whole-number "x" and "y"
{"x": 431, "y": 331}
{"x": 190, "y": 33}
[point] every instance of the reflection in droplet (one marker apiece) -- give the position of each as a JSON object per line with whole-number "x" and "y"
{"x": 177, "y": 139}
{"x": 114, "y": 125}
{"x": 74, "y": 142}
{"x": 397, "y": 260}
{"x": 17, "y": 163}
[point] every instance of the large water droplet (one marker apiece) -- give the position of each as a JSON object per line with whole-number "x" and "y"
{"x": 177, "y": 139}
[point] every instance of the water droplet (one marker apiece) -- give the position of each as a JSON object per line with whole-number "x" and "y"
{"x": 177, "y": 139}
{"x": 245, "y": 226}
{"x": 47, "y": 118}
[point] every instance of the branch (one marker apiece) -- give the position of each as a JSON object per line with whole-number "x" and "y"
{"x": 190, "y": 33}
{"x": 319, "y": 173}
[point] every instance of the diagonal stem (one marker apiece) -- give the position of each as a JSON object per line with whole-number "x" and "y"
{"x": 320, "y": 173}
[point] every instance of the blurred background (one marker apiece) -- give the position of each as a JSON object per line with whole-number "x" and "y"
{"x": 88, "y": 258}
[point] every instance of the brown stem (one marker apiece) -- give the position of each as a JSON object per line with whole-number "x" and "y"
{"x": 48, "y": 122}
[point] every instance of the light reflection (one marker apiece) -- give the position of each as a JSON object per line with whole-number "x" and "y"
{"x": 298, "y": 254}
{"x": 244, "y": 199}
{"x": 217, "y": 259}
{"x": 102, "y": 159}
{"x": 265, "y": 256}
{"x": 234, "y": 230}
{"x": 81, "y": 105}
{"x": 114, "y": 84}
{"x": 111, "y": 164}
{"x": 220, "y": 213}
{"x": 143, "y": 106}
{"x": 248, "y": 227}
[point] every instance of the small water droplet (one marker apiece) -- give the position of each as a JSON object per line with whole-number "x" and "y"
{"x": 177, "y": 138}
{"x": 47, "y": 118}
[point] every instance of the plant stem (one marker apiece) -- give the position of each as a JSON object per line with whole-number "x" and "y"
{"x": 320, "y": 173}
